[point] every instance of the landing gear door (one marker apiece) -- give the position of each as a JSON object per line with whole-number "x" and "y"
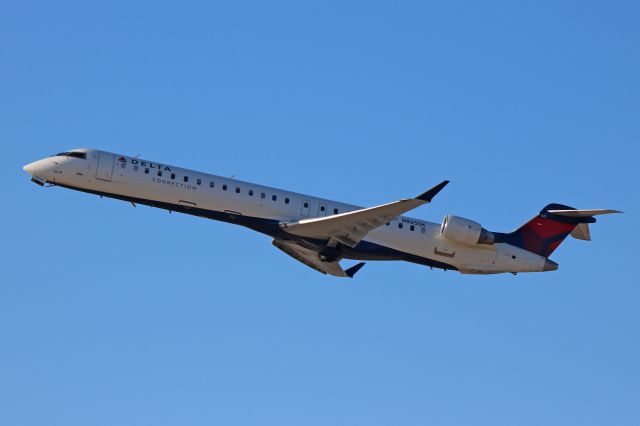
{"x": 104, "y": 171}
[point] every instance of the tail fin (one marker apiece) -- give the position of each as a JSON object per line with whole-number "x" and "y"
{"x": 544, "y": 233}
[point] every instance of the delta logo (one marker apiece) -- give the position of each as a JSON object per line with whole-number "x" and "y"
{"x": 149, "y": 164}
{"x": 122, "y": 160}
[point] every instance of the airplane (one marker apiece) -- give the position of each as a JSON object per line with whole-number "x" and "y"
{"x": 320, "y": 232}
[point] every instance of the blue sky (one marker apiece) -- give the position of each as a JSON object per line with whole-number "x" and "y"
{"x": 110, "y": 315}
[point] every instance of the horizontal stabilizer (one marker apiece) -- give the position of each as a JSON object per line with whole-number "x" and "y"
{"x": 581, "y": 232}
{"x": 582, "y": 213}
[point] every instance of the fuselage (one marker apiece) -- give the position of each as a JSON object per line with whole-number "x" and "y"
{"x": 264, "y": 208}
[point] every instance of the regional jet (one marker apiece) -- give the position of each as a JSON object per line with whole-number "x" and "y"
{"x": 320, "y": 232}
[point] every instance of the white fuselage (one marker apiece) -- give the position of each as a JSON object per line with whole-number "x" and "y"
{"x": 165, "y": 185}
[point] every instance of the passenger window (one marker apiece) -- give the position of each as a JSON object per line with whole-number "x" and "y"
{"x": 262, "y": 195}
{"x": 211, "y": 184}
{"x": 400, "y": 225}
{"x": 413, "y": 228}
{"x": 199, "y": 181}
{"x": 322, "y": 208}
{"x": 224, "y": 187}
{"x": 186, "y": 178}
{"x": 274, "y": 198}
{"x": 173, "y": 175}
{"x": 286, "y": 201}
{"x": 335, "y": 211}
{"x": 387, "y": 223}
{"x": 306, "y": 205}
{"x": 146, "y": 170}
{"x": 135, "y": 168}
{"x": 251, "y": 193}
{"x": 237, "y": 189}
{"x": 159, "y": 172}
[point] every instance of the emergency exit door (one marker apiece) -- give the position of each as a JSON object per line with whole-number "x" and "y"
{"x": 306, "y": 206}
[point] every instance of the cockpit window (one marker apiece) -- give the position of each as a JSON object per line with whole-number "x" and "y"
{"x": 82, "y": 155}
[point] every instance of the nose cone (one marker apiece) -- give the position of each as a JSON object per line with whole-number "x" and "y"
{"x": 550, "y": 265}
{"x": 39, "y": 169}
{"x": 30, "y": 168}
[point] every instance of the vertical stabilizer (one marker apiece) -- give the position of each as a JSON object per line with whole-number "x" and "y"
{"x": 545, "y": 232}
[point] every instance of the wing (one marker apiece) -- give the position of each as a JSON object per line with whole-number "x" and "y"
{"x": 351, "y": 227}
{"x": 311, "y": 258}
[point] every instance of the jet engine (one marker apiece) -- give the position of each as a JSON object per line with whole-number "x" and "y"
{"x": 465, "y": 231}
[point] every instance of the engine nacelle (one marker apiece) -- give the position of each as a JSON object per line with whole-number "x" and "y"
{"x": 465, "y": 231}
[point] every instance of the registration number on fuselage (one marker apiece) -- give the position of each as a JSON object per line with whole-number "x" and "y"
{"x": 413, "y": 222}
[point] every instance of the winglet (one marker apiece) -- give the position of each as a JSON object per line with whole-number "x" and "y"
{"x": 428, "y": 196}
{"x": 352, "y": 271}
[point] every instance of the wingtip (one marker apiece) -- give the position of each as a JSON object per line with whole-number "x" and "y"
{"x": 428, "y": 195}
{"x": 352, "y": 271}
